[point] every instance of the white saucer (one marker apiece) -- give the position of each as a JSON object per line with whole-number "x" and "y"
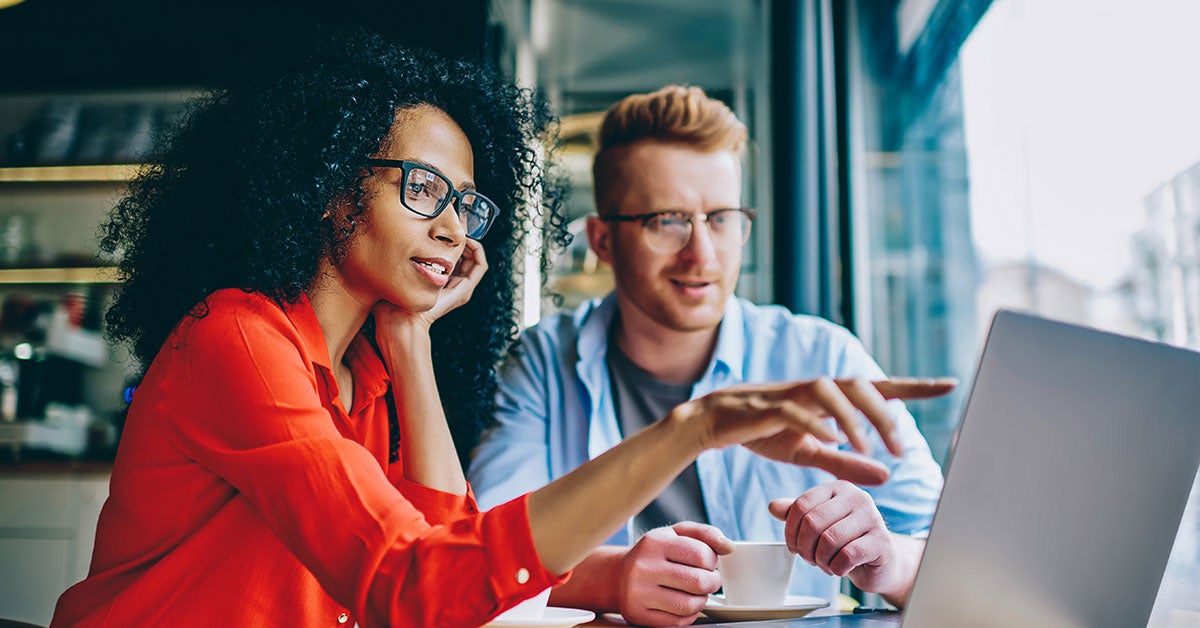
{"x": 794, "y": 606}
{"x": 552, "y": 617}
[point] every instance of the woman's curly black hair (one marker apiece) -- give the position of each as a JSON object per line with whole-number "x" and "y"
{"x": 237, "y": 199}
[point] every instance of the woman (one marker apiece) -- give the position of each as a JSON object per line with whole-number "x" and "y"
{"x": 285, "y": 262}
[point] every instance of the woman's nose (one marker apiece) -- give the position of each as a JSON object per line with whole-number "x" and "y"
{"x": 449, "y": 226}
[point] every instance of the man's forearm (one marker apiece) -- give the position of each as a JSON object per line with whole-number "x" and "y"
{"x": 595, "y": 582}
{"x": 908, "y": 557}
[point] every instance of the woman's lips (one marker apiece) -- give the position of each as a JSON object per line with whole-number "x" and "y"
{"x": 437, "y": 271}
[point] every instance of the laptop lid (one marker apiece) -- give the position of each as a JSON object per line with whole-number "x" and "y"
{"x": 1067, "y": 481}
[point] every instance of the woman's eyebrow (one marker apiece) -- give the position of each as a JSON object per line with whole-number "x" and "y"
{"x": 422, "y": 162}
{"x": 465, "y": 185}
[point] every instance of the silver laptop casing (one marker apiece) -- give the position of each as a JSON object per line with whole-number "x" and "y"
{"x": 1067, "y": 482}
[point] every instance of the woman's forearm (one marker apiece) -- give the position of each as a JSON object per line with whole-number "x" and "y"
{"x": 426, "y": 446}
{"x": 577, "y": 512}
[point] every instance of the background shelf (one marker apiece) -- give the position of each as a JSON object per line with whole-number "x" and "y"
{"x": 68, "y": 174}
{"x": 82, "y": 274}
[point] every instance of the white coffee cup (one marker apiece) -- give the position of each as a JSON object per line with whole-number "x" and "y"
{"x": 533, "y": 608}
{"x": 756, "y": 573}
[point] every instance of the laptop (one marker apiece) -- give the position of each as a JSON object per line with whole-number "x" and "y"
{"x": 1066, "y": 486}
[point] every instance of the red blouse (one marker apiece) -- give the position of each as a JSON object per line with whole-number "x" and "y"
{"x": 243, "y": 493}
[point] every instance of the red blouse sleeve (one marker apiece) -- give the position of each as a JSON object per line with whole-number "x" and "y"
{"x": 253, "y": 416}
{"x": 438, "y": 507}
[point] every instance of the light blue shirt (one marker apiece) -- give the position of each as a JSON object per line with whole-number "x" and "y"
{"x": 555, "y": 411}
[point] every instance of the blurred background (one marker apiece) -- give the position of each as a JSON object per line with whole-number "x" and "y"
{"x": 915, "y": 164}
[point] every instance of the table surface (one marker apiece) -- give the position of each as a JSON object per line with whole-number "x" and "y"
{"x": 613, "y": 619}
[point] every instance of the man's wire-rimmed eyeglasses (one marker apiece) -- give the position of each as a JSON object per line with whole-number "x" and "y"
{"x": 668, "y": 232}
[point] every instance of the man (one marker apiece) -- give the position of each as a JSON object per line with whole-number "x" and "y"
{"x": 668, "y": 191}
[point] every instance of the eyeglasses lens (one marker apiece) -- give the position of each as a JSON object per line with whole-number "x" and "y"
{"x": 668, "y": 234}
{"x": 425, "y": 192}
{"x": 475, "y": 211}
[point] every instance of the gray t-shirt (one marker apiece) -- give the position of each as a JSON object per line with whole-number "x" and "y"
{"x": 639, "y": 400}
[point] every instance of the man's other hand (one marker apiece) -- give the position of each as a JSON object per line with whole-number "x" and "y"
{"x": 837, "y": 528}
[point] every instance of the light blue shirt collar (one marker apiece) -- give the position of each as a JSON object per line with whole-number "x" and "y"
{"x": 729, "y": 357}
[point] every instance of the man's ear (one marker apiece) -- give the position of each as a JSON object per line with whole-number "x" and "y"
{"x": 599, "y": 235}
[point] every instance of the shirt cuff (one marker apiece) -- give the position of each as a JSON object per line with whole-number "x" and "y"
{"x": 517, "y": 570}
{"x": 438, "y": 506}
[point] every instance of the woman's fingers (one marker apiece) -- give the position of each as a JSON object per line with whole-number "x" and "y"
{"x": 828, "y": 394}
{"x": 915, "y": 388}
{"x": 803, "y": 419}
{"x": 468, "y": 272}
{"x": 872, "y": 404}
{"x": 478, "y": 260}
{"x": 845, "y": 399}
{"x": 472, "y": 262}
{"x": 804, "y": 407}
{"x": 849, "y": 466}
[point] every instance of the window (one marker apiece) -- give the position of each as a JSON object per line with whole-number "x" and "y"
{"x": 1049, "y": 163}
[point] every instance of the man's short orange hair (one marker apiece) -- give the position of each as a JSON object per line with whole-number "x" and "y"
{"x": 674, "y": 114}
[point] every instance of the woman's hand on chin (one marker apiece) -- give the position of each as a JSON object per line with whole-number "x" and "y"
{"x": 463, "y": 280}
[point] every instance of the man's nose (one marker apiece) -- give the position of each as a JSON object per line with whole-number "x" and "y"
{"x": 701, "y": 245}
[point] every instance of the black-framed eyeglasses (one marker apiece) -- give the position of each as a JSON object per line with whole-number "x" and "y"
{"x": 667, "y": 232}
{"x": 426, "y": 192}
